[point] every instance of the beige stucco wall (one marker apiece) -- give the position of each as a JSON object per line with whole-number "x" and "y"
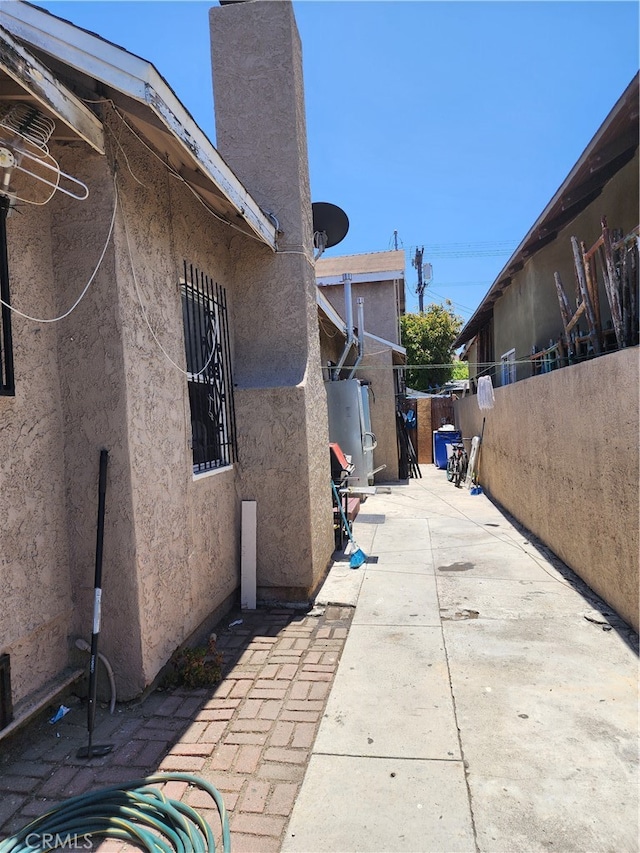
{"x": 171, "y": 541}
{"x": 186, "y": 528}
{"x": 34, "y": 564}
{"x": 100, "y": 380}
{"x": 94, "y": 406}
{"x": 528, "y": 314}
{"x": 560, "y": 452}
{"x": 282, "y": 416}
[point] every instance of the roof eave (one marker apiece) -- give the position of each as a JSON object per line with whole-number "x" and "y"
{"x": 138, "y": 79}
{"x": 518, "y": 258}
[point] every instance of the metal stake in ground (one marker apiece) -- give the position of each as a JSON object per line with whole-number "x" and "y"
{"x": 96, "y": 749}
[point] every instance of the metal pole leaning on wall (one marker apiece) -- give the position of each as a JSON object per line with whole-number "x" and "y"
{"x": 91, "y": 749}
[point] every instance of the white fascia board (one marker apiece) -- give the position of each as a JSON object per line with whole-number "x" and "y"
{"x": 361, "y": 278}
{"x": 395, "y": 347}
{"x": 330, "y": 312}
{"x": 138, "y": 79}
{"x": 38, "y": 81}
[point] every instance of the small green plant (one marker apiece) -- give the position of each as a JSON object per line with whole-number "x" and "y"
{"x": 200, "y": 666}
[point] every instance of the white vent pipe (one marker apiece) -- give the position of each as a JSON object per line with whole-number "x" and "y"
{"x": 360, "y": 302}
{"x": 348, "y": 316}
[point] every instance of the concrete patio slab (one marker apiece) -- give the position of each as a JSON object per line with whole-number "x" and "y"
{"x": 401, "y": 533}
{"x": 450, "y": 532}
{"x": 408, "y": 667}
{"x": 493, "y": 560}
{"x": 494, "y": 599}
{"x": 341, "y": 586}
{"x": 418, "y": 560}
{"x": 380, "y": 805}
{"x": 541, "y": 677}
{"x": 550, "y": 815}
{"x": 397, "y": 598}
{"x": 547, "y": 711}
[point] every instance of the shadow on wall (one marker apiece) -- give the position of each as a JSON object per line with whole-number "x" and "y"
{"x": 598, "y": 612}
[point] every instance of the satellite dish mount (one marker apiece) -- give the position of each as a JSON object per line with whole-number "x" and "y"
{"x": 330, "y": 226}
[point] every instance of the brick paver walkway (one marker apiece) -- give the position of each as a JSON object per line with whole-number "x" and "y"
{"x": 251, "y": 737}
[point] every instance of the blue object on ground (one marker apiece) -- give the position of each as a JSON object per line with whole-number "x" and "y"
{"x": 441, "y": 438}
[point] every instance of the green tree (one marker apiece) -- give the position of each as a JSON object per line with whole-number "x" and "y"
{"x": 428, "y": 338}
{"x": 460, "y": 370}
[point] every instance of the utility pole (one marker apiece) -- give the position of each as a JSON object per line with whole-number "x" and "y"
{"x": 417, "y": 263}
{"x": 395, "y": 240}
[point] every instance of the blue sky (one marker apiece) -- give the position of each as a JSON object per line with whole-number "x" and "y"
{"x": 452, "y": 123}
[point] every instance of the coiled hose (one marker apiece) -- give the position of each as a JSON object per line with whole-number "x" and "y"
{"x": 134, "y": 812}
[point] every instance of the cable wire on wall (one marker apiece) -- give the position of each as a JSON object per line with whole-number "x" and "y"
{"x": 87, "y": 285}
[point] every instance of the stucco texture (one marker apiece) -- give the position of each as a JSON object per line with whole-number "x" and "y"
{"x": 281, "y": 405}
{"x": 186, "y": 528}
{"x": 560, "y": 452}
{"x": 34, "y": 572}
{"x": 106, "y": 377}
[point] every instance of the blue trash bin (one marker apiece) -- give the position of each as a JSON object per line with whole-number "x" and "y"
{"x": 442, "y": 437}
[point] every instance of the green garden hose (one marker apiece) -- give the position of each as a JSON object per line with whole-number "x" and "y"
{"x": 134, "y": 812}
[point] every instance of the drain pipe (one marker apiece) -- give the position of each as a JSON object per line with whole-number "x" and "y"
{"x": 360, "y": 301}
{"x": 348, "y": 316}
{"x": 85, "y": 647}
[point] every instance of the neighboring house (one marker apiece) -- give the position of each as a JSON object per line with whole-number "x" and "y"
{"x": 560, "y": 449}
{"x": 193, "y": 357}
{"x": 378, "y": 280}
{"x": 518, "y": 326}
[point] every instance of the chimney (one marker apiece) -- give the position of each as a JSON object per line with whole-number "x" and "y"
{"x": 259, "y": 108}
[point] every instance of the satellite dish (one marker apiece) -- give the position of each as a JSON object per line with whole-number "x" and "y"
{"x": 330, "y": 225}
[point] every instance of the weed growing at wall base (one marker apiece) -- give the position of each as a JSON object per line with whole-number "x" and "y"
{"x": 195, "y": 667}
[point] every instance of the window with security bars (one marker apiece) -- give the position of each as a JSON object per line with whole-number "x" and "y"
{"x": 206, "y": 340}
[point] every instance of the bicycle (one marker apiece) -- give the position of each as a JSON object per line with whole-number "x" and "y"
{"x": 457, "y": 464}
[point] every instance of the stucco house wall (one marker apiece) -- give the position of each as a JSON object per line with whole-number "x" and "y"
{"x": 99, "y": 379}
{"x": 171, "y": 540}
{"x": 560, "y": 452}
{"x": 186, "y": 526}
{"x": 281, "y": 403}
{"x": 34, "y": 558}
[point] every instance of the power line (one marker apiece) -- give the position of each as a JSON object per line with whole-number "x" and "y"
{"x": 480, "y": 249}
